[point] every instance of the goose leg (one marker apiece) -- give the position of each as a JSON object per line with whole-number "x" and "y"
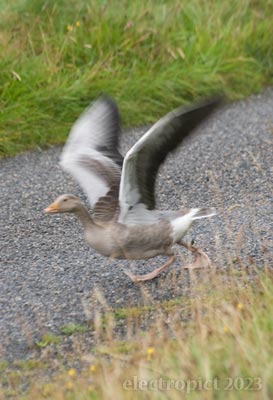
{"x": 153, "y": 274}
{"x": 202, "y": 260}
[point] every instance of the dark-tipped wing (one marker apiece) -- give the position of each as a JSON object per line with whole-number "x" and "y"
{"x": 91, "y": 156}
{"x": 143, "y": 160}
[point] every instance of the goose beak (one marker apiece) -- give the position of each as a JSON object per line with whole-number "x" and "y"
{"x": 52, "y": 208}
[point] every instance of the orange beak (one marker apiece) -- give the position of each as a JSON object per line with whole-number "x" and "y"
{"x": 54, "y": 207}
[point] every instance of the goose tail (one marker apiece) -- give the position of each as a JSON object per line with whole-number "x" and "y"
{"x": 181, "y": 224}
{"x": 198, "y": 213}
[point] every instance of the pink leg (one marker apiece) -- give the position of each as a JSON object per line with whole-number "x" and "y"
{"x": 153, "y": 274}
{"x": 201, "y": 259}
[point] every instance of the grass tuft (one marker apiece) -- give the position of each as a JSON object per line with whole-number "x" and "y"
{"x": 73, "y": 328}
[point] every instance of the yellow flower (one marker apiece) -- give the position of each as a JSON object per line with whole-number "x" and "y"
{"x": 69, "y": 385}
{"x": 77, "y": 24}
{"x": 92, "y": 368}
{"x": 72, "y": 372}
{"x": 150, "y": 352}
{"x": 226, "y": 329}
{"x": 240, "y": 306}
{"x": 91, "y": 388}
{"x": 69, "y": 28}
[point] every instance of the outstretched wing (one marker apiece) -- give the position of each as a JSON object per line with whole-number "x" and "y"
{"x": 143, "y": 160}
{"x": 91, "y": 156}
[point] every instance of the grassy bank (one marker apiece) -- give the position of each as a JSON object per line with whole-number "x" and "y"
{"x": 151, "y": 56}
{"x": 215, "y": 344}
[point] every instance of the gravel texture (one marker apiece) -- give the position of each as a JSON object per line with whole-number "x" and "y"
{"x": 49, "y": 277}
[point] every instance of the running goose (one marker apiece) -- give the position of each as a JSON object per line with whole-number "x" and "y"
{"x": 123, "y": 222}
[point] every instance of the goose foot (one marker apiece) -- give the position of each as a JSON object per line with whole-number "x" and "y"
{"x": 151, "y": 275}
{"x": 202, "y": 260}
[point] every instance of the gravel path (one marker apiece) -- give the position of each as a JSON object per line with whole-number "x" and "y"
{"x": 49, "y": 276}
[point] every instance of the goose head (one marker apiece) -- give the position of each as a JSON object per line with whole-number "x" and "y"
{"x": 66, "y": 203}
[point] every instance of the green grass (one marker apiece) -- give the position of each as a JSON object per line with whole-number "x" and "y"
{"x": 73, "y": 328}
{"x": 57, "y": 56}
{"x": 223, "y": 351}
{"x": 48, "y": 339}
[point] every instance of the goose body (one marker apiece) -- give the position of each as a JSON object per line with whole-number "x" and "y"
{"x": 122, "y": 242}
{"x": 123, "y": 222}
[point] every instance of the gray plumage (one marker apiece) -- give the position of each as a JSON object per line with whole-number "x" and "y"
{"x": 124, "y": 222}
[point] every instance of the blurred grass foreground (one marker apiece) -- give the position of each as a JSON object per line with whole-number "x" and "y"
{"x": 215, "y": 344}
{"x": 57, "y": 56}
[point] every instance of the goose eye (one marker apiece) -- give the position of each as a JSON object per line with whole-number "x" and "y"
{"x": 64, "y": 199}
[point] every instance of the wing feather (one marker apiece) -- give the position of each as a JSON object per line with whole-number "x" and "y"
{"x": 143, "y": 160}
{"x": 91, "y": 154}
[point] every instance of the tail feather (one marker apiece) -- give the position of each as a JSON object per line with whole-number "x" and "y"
{"x": 198, "y": 213}
{"x": 181, "y": 224}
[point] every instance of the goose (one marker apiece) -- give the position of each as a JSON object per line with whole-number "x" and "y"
{"x": 124, "y": 222}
